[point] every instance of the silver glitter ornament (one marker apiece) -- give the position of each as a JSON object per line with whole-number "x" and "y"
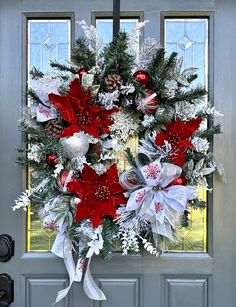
{"x": 75, "y": 146}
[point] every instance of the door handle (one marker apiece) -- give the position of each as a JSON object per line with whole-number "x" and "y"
{"x": 6, "y": 247}
{"x": 6, "y": 290}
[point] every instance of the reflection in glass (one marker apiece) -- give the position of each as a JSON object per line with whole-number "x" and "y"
{"x": 48, "y": 40}
{"x": 189, "y": 37}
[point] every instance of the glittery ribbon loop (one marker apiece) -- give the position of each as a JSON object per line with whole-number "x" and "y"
{"x": 155, "y": 201}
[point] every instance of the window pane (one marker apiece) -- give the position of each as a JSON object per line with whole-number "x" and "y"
{"x": 48, "y": 40}
{"x": 189, "y": 37}
{"x": 105, "y": 28}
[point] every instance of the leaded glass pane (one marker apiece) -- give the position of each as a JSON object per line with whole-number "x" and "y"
{"x": 189, "y": 37}
{"x": 48, "y": 40}
{"x": 104, "y": 28}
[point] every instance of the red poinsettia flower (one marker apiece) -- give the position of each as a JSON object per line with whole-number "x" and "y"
{"x": 99, "y": 194}
{"x": 178, "y": 134}
{"x": 76, "y": 110}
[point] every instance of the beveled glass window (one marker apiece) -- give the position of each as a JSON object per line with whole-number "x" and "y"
{"x": 189, "y": 37}
{"x": 47, "y": 40}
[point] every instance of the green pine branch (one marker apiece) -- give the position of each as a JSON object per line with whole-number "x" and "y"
{"x": 130, "y": 157}
{"x": 157, "y": 62}
{"x": 198, "y": 204}
{"x": 215, "y": 129}
{"x": 63, "y": 67}
{"x": 82, "y": 55}
{"x": 33, "y": 96}
{"x": 185, "y": 221}
{"x": 118, "y": 60}
{"x": 168, "y": 66}
{"x": 166, "y": 115}
{"x": 36, "y": 73}
{"x": 161, "y": 69}
{"x": 191, "y": 95}
{"x": 192, "y": 77}
{"x": 109, "y": 232}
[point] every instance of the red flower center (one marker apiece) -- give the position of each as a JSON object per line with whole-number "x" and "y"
{"x": 84, "y": 120}
{"x": 102, "y": 192}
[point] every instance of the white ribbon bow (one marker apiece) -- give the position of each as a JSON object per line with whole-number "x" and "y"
{"x": 62, "y": 248}
{"x": 155, "y": 201}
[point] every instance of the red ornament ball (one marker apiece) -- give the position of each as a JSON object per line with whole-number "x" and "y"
{"x": 81, "y": 72}
{"x": 63, "y": 178}
{"x": 51, "y": 159}
{"x": 142, "y": 77}
{"x": 179, "y": 181}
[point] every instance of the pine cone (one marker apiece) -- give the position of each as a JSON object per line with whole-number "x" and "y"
{"x": 53, "y": 129}
{"x": 113, "y": 82}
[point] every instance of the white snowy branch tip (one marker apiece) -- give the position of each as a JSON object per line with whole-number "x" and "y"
{"x": 22, "y": 201}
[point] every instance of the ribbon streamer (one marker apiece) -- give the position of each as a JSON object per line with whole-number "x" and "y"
{"x": 63, "y": 248}
{"x": 153, "y": 200}
{"x": 76, "y": 273}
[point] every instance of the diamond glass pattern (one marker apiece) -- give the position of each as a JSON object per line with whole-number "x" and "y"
{"x": 189, "y": 37}
{"x": 48, "y": 40}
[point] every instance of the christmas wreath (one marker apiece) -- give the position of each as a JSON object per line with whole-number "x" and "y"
{"x": 80, "y": 120}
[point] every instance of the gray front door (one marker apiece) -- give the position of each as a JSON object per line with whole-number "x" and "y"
{"x": 200, "y": 275}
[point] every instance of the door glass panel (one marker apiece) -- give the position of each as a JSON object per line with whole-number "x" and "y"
{"x": 47, "y": 40}
{"x": 104, "y": 28}
{"x": 50, "y": 40}
{"x": 189, "y": 37}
